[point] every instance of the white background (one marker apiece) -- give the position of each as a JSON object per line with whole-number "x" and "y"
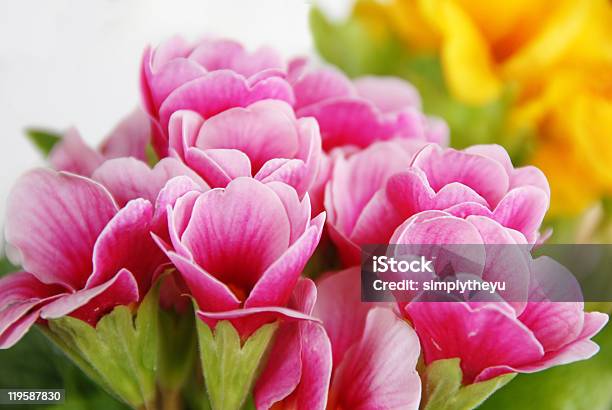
{"x": 75, "y": 63}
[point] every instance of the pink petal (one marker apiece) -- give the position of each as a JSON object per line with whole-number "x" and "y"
{"x": 167, "y": 197}
{"x": 529, "y": 176}
{"x": 263, "y": 131}
{"x": 126, "y": 243}
{"x": 73, "y": 155}
{"x": 313, "y": 86}
{"x": 129, "y": 138}
{"x": 495, "y": 152}
{"x": 248, "y": 320}
{"x": 129, "y": 178}
{"x": 309, "y": 150}
{"x": 297, "y": 211}
{"x": 444, "y": 166}
{"x": 437, "y": 131}
{"x": 581, "y": 349}
{"x": 178, "y": 219}
{"x": 283, "y": 370}
{"x": 554, "y": 324}
{"x": 316, "y": 357}
{"x": 340, "y": 309}
{"x": 20, "y": 286}
{"x": 289, "y": 171}
{"x": 377, "y": 221}
{"x": 218, "y": 166}
{"x": 388, "y": 93}
{"x": 523, "y": 209}
{"x": 356, "y": 180}
{"x": 276, "y": 283}
{"x": 236, "y": 233}
{"x": 209, "y": 292}
{"x": 18, "y": 329}
{"x": 350, "y": 252}
{"x": 435, "y": 227}
{"x": 54, "y": 219}
{"x": 160, "y": 75}
{"x": 353, "y": 121}
{"x": 92, "y": 303}
{"x": 299, "y": 366}
{"x": 22, "y": 297}
{"x": 509, "y": 264}
{"x": 379, "y": 370}
{"x": 217, "y": 54}
{"x": 183, "y": 130}
{"x": 454, "y": 329}
{"x": 168, "y": 50}
{"x": 317, "y": 190}
{"x": 593, "y": 323}
{"x": 220, "y": 90}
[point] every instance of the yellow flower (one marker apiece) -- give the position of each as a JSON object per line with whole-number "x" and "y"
{"x": 573, "y": 119}
{"x": 558, "y": 55}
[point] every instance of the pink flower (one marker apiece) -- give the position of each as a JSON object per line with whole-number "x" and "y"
{"x": 264, "y": 141}
{"x": 528, "y": 333}
{"x": 208, "y": 77}
{"x": 361, "y": 112}
{"x": 84, "y": 248}
{"x": 372, "y": 192}
{"x": 128, "y": 139}
{"x": 373, "y": 363}
{"x": 299, "y": 367}
{"x": 241, "y": 249}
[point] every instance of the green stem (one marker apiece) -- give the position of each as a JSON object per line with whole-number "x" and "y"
{"x": 171, "y": 399}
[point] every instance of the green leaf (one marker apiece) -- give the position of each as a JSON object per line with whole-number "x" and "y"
{"x": 120, "y": 353}
{"x": 444, "y": 389}
{"x": 35, "y": 363}
{"x": 6, "y": 266}
{"x": 44, "y": 140}
{"x": 585, "y": 385}
{"x": 229, "y": 367}
{"x": 177, "y": 349}
{"x": 352, "y": 47}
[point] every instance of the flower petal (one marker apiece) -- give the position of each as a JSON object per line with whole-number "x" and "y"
{"x": 456, "y": 329}
{"x": 276, "y": 283}
{"x": 71, "y": 154}
{"x": 218, "y": 91}
{"x": 218, "y": 166}
{"x": 92, "y": 303}
{"x": 236, "y": 233}
{"x": 53, "y": 220}
{"x": 379, "y": 370}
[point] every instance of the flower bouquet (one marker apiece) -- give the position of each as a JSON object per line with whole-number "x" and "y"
{"x": 208, "y": 253}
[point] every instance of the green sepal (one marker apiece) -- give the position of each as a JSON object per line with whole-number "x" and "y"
{"x": 120, "y": 353}
{"x": 151, "y": 155}
{"x": 229, "y": 366}
{"x": 177, "y": 349}
{"x": 444, "y": 390}
{"x": 44, "y": 140}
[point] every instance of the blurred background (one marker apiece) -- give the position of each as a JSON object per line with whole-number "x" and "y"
{"x": 534, "y": 76}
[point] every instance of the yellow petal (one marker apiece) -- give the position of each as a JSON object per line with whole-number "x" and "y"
{"x": 571, "y": 189}
{"x": 555, "y": 38}
{"x": 592, "y": 129}
{"x": 466, "y": 58}
{"x": 411, "y": 25}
